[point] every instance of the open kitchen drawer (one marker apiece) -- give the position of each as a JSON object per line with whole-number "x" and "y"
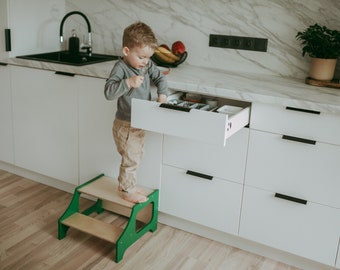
{"x": 193, "y": 120}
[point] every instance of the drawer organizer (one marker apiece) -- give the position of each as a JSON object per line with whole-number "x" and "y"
{"x": 193, "y": 120}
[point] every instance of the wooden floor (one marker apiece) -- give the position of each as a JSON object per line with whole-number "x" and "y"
{"x": 28, "y": 239}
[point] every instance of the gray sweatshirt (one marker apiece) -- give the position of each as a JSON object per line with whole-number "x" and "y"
{"x": 116, "y": 86}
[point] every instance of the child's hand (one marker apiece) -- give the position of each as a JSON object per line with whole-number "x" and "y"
{"x": 135, "y": 82}
{"x": 162, "y": 98}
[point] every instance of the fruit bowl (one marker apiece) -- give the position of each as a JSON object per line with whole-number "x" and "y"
{"x": 161, "y": 63}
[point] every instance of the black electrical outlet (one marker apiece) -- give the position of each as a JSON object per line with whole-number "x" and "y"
{"x": 238, "y": 43}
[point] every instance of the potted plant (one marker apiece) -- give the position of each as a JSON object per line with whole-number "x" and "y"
{"x": 323, "y": 46}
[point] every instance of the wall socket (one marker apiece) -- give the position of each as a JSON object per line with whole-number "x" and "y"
{"x": 239, "y": 43}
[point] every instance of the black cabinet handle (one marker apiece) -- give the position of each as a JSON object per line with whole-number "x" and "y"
{"x": 290, "y": 198}
{"x": 8, "y": 40}
{"x": 201, "y": 175}
{"x": 3, "y": 64}
{"x": 297, "y": 139}
{"x": 64, "y": 73}
{"x": 174, "y": 107}
{"x": 302, "y": 110}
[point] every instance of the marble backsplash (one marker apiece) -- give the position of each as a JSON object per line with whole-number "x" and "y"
{"x": 192, "y": 21}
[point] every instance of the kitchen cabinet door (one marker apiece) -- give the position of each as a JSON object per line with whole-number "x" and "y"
{"x": 338, "y": 257}
{"x": 227, "y": 162}
{"x": 298, "y": 122}
{"x": 45, "y": 120}
{"x": 214, "y": 203}
{"x": 296, "y": 168}
{"x": 6, "y": 128}
{"x": 97, "y": 152}
{"x": 309, "y": 230}
{"x": 3, "y": 26}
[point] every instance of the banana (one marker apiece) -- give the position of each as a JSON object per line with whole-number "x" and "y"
{"x": 164, "y": 58}
{"x": 167, "y": 53}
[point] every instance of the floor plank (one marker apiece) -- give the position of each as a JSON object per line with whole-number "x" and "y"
{"x": 28, "y": 239}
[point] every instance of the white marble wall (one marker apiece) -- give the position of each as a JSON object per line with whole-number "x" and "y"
{"x": 192, "y": 21}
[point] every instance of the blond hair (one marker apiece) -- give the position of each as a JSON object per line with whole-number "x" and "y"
{"x": 140, "y": 35}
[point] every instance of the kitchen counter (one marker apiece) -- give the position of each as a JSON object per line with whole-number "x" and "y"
{"x": 246, "y": 87}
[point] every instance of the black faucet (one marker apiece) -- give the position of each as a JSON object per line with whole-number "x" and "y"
{"x": 87, "y": 46}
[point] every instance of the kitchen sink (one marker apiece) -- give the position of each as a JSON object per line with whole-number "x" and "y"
{"x": 67, "y": 58}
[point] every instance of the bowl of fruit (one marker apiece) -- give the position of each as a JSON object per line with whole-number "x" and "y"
{"x": 170, "y": 58}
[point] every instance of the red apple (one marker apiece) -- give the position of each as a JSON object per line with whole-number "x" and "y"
{"x": 178, "y": 47}
{"x": 165, "y": 46}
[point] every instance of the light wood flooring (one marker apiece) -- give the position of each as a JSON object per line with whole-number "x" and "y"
{"x": 28, "y": 239}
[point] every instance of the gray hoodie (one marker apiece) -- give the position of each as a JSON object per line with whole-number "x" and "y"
{"x": 116, "y": 86}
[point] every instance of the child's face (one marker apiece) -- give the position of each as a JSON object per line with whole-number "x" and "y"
{"x": 137, "y": 57}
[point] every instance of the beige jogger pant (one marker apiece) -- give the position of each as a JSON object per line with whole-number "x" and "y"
{"x": 130, "y": 145}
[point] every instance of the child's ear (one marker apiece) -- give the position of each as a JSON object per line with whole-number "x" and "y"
{"x": 125, "y": 51}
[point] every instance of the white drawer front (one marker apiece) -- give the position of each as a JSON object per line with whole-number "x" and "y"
{"x": 300, "y": 169}
{"x": 310, "y": 231}
{"x": 323, "y": 127}
{"x": 224, "y": 162}
{"x": 214, "y": 203}
{"x": 200, "y": 125}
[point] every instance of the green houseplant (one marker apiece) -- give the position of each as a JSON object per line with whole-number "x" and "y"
{"x": 323, "y": 46}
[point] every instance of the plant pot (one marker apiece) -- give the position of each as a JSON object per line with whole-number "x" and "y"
{"x": 322, "y": 69}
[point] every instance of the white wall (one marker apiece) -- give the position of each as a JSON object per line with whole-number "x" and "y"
{"x": 192, "y": 21}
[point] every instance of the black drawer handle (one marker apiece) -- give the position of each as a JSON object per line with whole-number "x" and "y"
{"x": 302, "y": 110}
{"x": 205, "y": 176}
{"x": 174, "y": 107}
{"x": 290, "y": 198}
{"x": 64, "y": 73}
{"x": 3, "y": 64}
{"x": 297, "y": 139}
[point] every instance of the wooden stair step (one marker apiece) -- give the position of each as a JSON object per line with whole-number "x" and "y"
{"x": 106, "y": 188}
{"x": 94, "y": 227}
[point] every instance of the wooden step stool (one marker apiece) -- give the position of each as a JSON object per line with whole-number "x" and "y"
{"x": 105, "y": 189}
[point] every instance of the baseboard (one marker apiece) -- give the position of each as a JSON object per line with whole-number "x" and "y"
{"x": 43, "y": 179}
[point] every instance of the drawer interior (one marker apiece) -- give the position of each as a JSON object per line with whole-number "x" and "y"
{"x": 206, "y": 103}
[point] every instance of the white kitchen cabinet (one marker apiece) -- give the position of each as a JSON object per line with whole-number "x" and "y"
{"x": 203, "y": 182}
{"x": 45, "y": 120}
{"x": 197, "y": 124}
{"x": 212, "y": 202}
{"x": 296, "y": 168}
{"x": 204, "y": 158}
{"x": 6, "y": 128}
{"x": 309, "y": 230}
{"x": 291, "y": 199}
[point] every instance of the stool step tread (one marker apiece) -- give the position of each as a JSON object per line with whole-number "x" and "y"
{"x": 94, "y": 227}
{"x": 106, "y": 188}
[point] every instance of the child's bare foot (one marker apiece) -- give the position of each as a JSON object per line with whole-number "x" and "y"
{"x": 137, "y": 190}
{"x": 133, "y": 196}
